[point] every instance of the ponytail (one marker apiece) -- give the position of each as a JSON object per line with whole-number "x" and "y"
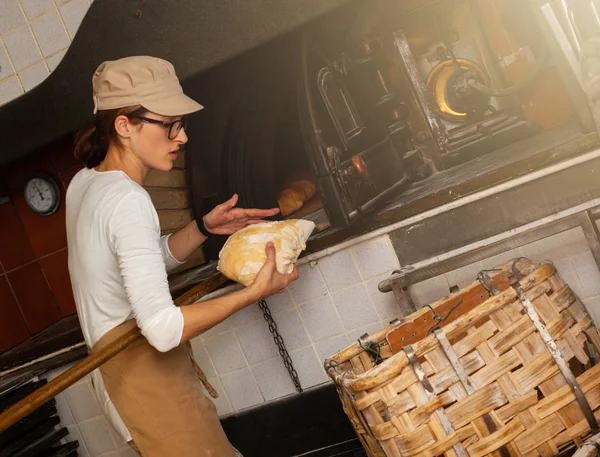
{"x": 87, "y": 149}
{"x": 92, "y": 142}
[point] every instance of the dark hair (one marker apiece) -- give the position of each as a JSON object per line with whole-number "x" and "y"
{"x": 91, "y": 143}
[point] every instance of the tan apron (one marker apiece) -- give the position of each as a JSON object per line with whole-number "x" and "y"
{"x": 160, "y": 399}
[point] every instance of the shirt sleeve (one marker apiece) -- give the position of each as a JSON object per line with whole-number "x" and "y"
{"x": 135, "y": 238}
{"x": 170, "y": 261}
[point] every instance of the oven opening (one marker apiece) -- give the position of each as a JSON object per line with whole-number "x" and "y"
{"x": 294, "y": 182}
{"x": 257, "y": 145}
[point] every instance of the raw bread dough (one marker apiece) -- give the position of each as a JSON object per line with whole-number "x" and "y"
{"x": 243, "y": 255}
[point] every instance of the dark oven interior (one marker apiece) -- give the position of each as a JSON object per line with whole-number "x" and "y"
{"x": 348, "y": 114}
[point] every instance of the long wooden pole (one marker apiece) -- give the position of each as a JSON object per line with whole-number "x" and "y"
{"x": 36, "y": 399}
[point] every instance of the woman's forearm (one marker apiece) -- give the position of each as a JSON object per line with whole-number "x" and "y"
{"x": 184, "y": 242}
{"x": 202, "y": 316}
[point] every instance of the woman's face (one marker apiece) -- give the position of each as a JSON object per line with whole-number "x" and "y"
{"x": 149, "y": 141}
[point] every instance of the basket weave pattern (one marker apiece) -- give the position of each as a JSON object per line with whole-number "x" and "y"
{"x": 486, "y": 383}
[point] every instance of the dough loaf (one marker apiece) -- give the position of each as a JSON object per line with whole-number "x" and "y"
{"x": 243, "y": 254}
{"x": 290, "y": 201}
{"x": 293, "y": 198}
{"x": 305, "y": 187}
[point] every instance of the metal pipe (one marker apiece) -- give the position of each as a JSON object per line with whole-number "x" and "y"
{"x": 33, "y": 401}
{"x": 562, "y": 40}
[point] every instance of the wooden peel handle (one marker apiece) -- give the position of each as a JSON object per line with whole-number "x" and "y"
{"x": 36, "y": 399}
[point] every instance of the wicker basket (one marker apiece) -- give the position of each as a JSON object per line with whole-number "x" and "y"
{"x": 501, "y": 367}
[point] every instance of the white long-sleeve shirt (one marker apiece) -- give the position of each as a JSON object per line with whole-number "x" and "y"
{"x": 118, "y": 263}
{"x": 117, "y": 259}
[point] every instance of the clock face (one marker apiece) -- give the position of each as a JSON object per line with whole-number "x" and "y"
{"x": 42, "y": 195}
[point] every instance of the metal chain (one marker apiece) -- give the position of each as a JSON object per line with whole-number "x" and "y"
{"x": 287, "y": 361}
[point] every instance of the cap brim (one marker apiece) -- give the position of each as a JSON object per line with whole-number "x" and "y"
{"x": 176, "y": 105}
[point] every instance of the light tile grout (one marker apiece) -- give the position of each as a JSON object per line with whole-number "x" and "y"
{"x": 355, "y": 263}
{"x": 37, "y": 259}
{"x": 62, "y": 21}
{"x": 28, "y": 22}
{"x": 15, "y": 297}
{"x": 37, "y": 44}
{"x": 67, "y": 403}
{"x": 329, "y": 293}
{"x": 82, "y": 443}
{"x": 209, "y": 357}
{"x": 217, "y": 373}
{"x": 12, "y": 65}
{"x": 30, "y": 66}
{"x": 247, "y": 366}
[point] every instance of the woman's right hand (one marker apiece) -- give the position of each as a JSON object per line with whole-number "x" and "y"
{"x": 269, "y": 281}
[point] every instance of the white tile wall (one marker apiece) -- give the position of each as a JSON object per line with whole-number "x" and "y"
{"x": 310, "y": 285}
{"x": 330, "y": 306}
{"x": 33, "y": 75}
{"x": 34, "y": 37}
{"x": 355, "y": 307}
{"x": 241, "y": 389}
{"x": 272, "y": 379}
{"x": 82, "y": 402}
{"x": 80, "y": 413}
{"x": 339, "y": 270}
{"x": 98, "y": 439}
{"x": 10, "y": 88}
{"x": 256, "y": 341}
{"x": 11, "y": 15}
{"x": 225, "y": 352}
{"x": 50, "y": 33}
{"x": 35, "y": 8}
{"x": 328, "y": 309}
{"x": 222, "y": 402}
{"x": 321, "y": 318}
{"x": 375, "y": 257}
{"x": 22, "y": 48}
{"x": 72, "y": 14}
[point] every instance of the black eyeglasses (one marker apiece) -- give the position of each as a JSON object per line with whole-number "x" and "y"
{"x": 173, "y": 126}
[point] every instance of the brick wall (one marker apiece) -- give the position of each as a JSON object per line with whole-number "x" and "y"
{"x": 171, "y": 197}
{"x": 34, "y": 37}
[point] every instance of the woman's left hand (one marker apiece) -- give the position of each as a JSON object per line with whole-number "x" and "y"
{"x": 226, "y": 219}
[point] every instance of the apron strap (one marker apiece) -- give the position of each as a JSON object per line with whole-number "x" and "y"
{"x": 209, "y": 388}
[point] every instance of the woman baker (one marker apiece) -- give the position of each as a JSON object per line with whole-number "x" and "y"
{"x": 118, "y": 261}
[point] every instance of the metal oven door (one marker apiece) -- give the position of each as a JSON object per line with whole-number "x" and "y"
{"x": 355, "y": 133}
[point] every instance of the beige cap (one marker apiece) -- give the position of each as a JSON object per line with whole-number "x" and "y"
{"x": 141, "y": 80}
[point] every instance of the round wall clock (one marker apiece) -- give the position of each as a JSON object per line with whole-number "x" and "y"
{"x": 42, "y": 194}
